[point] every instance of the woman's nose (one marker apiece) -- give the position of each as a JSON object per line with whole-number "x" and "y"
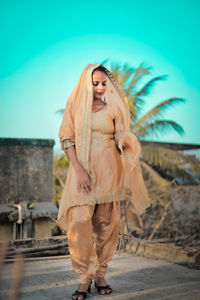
{"x": 100, "y": 87}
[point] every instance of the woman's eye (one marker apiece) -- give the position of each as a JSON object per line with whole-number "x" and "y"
{"x": 95, "y": 84}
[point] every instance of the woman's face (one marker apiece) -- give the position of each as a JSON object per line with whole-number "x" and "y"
{"x": 99, "y": 84}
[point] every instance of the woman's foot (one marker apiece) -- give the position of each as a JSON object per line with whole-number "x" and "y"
{"x": 102, "y": 287}
{"x": 81, "y": 292}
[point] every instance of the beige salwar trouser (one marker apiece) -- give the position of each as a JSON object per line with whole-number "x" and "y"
{"x": 92, "y": 236}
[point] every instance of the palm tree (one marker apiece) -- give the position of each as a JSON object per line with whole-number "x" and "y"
{"x": 150, "y": 122}
{"x": 166, "y": 162}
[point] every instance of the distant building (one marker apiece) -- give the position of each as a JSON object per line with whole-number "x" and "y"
{"x": 26, "y": 171}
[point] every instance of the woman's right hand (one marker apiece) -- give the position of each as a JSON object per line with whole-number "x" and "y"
{"x": 84, "y": 182}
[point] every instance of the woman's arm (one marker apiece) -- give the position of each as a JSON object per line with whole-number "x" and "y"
{"x": 67, "y": 140}
{"x": 83, "y": 179}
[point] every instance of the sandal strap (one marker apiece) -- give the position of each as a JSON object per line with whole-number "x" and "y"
{"x": 102, "y": 287}
{"x": 78, "y": 293}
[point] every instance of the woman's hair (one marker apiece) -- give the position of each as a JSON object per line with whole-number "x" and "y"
{"x": 100, "y": 68}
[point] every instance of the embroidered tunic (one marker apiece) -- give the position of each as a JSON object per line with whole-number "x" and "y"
{"x": 106, "y": 169}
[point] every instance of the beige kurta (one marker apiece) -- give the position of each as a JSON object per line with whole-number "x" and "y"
{"x": 106, "y": 169}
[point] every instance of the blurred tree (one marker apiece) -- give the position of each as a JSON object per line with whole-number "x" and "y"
{"x": 168, "y": 163}
{"x": 60, "y": 166}
{"x": 151, "y": 122}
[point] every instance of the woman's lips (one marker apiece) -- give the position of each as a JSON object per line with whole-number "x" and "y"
{"x": 100, "y": 94}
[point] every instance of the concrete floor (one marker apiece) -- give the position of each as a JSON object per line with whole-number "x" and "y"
{"x": 131, "y": 277}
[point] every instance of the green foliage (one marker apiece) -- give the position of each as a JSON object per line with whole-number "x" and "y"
{"x": 60, "y": 162}
{"x": 171, "y": 164}
{"x": 159, "y": 161}
{"x": 156, "y": 127}
{"x": 151, "y": 122}
{"x": 60, "y": 166}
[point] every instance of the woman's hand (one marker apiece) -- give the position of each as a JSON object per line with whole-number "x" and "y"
{"x": 84, "y": 182}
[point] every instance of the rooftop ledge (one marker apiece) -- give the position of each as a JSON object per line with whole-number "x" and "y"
{"x": 26, "y": 142}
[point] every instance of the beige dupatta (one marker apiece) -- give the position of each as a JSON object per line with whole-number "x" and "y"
{"x": 76, "y": 130}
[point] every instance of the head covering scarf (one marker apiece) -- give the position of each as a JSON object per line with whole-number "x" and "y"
{"x": 75, "y": 129}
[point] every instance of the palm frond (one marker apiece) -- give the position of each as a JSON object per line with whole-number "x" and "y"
{"x": 138, "y": 103}
{"x": 158, "y": 187}
{"x": 126, "y": 73}
{"x": 133, "y": 108}
{"x": 146, "y": 88}
{"x": 60, "y": 111}
{"x": 152, "y": 175}
{"x": 115, "y": 69}
{"x": 140, "y": 72}
{"x": 171, "y": 164}
{"x": 155, "y": 112}
{"x": 122, "y": 73}
{"x": 105, "y": 61}
{"x": 159, "y": 127}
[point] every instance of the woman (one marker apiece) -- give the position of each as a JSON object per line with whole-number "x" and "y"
{"x": 104, "y": 169}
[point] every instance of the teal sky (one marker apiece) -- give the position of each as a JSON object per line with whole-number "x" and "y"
{"x": 46, "y": 44}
